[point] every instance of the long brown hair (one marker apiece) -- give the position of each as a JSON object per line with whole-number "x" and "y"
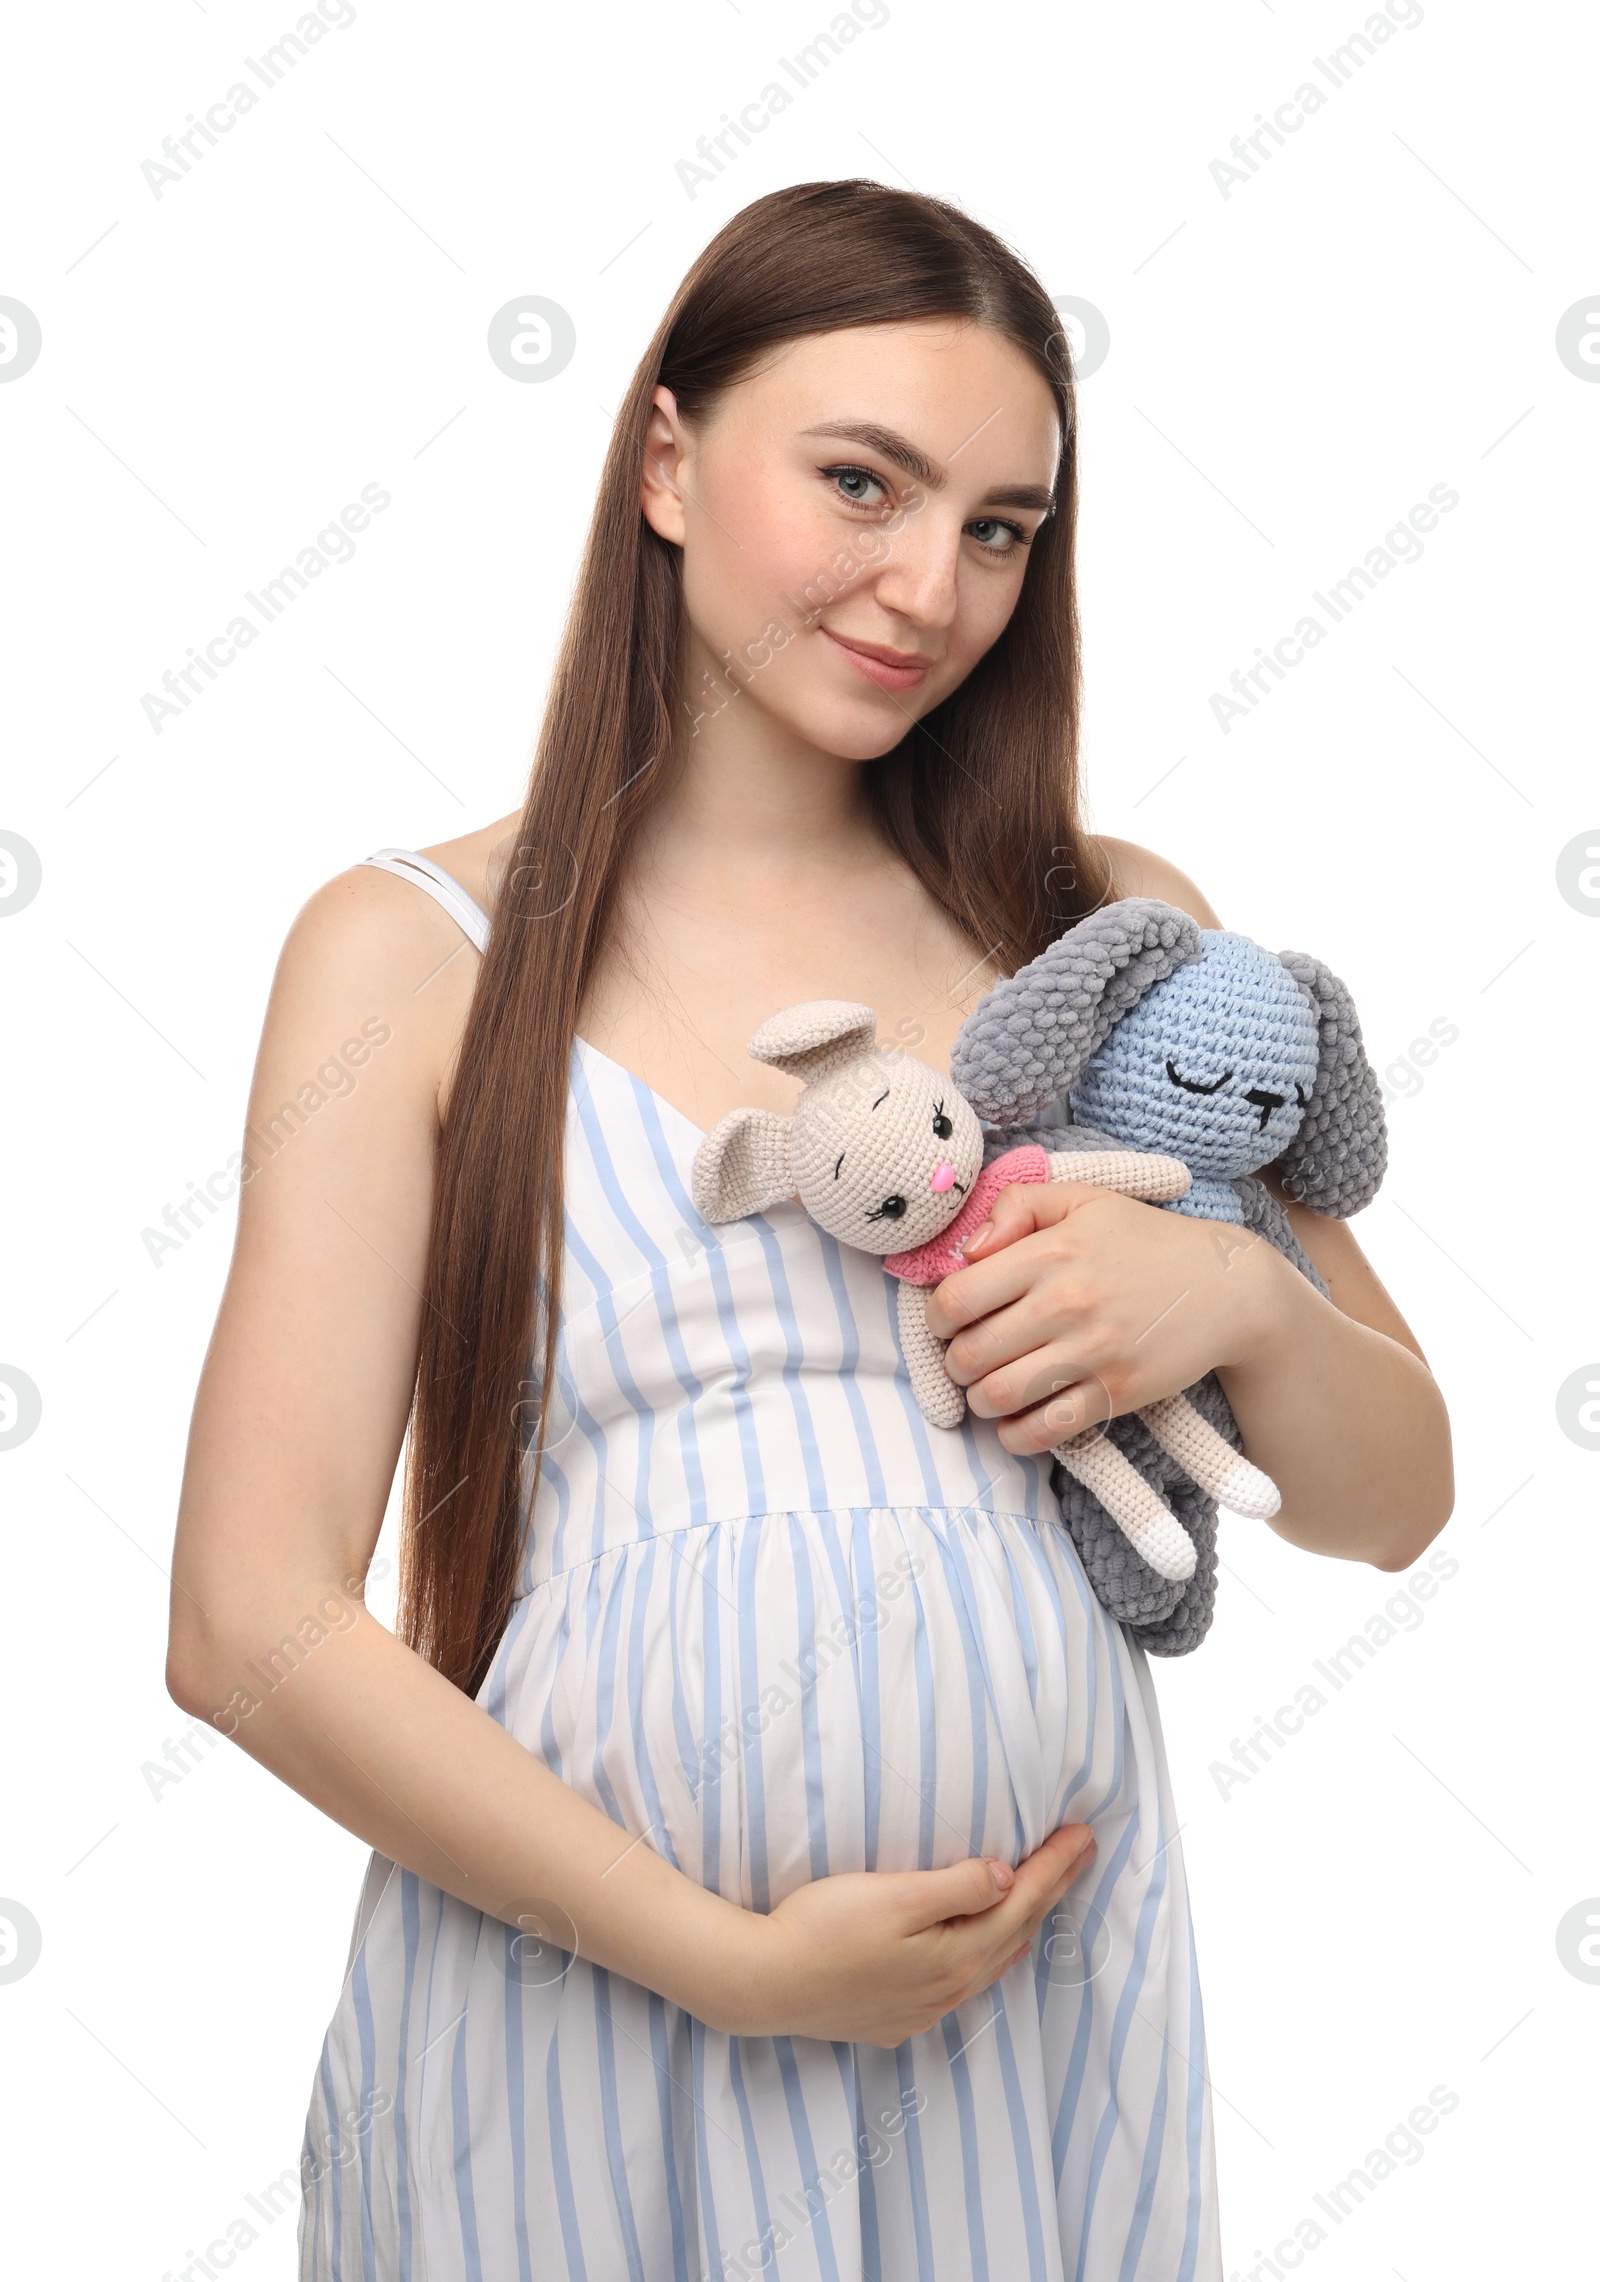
{"x": 980, "y": 799}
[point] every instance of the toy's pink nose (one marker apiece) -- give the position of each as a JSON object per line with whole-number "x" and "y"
{"x": 943, "y": 1175}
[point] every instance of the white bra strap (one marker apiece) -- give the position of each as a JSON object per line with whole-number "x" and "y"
{"x": 406, "y": 864}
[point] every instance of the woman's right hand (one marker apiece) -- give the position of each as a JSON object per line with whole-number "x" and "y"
{"x": 872, "y": 1957}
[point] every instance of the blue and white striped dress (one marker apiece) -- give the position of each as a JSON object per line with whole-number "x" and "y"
{"x": 771, "y": 1619}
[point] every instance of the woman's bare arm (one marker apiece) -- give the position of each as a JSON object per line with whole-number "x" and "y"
{"x": 297, "y": 1427}
{"x": 1336, "y": 1402}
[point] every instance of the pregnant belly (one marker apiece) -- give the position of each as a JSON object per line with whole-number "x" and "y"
{"x": 777, "y": 1699}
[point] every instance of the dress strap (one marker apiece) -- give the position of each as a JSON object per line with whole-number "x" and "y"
{"x": 406, "y": 864}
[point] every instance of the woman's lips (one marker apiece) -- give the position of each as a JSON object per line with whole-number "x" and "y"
{"x": 878, "y": 669}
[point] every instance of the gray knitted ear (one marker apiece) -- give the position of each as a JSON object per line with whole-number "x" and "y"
{"x": 742, "y": 1165}
{"x": 816, "y": 1036}
{"x": 1337, "y": 1159}
{"x": 1028, "y": 1039}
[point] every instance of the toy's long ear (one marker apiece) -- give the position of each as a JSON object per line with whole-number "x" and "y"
{"x": 818, "y": 1035}
{"x": 742, "y": 1165}
{"x": 1028, "y": 1039}
{"x": 1337, "y": 1159}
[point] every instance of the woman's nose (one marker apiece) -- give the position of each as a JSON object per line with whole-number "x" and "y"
{"x": 942, "y": 1176}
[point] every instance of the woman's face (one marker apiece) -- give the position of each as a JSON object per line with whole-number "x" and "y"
{"x": 855, "y": 521}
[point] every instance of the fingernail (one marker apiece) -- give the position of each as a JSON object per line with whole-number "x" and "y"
{"x": 1004, "y": 1875}
{"x": 979, "y": 1236}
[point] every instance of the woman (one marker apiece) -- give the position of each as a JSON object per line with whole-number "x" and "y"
{"x": 775, "y": 1866}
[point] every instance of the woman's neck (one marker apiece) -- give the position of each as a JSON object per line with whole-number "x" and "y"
{"x": 744, "y": 813}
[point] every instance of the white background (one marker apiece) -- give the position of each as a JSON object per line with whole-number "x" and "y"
{"x": 1291, "y": 368}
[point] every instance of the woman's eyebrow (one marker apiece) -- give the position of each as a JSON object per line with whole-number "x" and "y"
{"x": 905, "y": 454}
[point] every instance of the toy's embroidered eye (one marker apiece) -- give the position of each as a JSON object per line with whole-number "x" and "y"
{"x": 837, "y": 1162}
{"x": 890, "y": 1209}
{"x": 1192, "y": 1085}
{"x": 1301, "y": 1097}
{"x": 1266, "y": 1103}
{"x": 941, "y": 1124}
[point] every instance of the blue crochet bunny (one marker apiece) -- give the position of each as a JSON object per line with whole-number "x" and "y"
{"x": 1215, "y": 1066}
{"x": 1156, "y": 1034}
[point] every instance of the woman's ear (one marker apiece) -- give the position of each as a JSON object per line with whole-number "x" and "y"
{"x": 743, "y": 1165}
{"x": 1337, "y": 1159}
{"x": 666, "y": 451}
{"x": 1029, "y": 1038}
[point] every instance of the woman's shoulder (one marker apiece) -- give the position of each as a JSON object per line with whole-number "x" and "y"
{"x": 478, "y": 859}
{"x": 1140, "y": 871}
{"x": 370, "y": 944}
{"x": 366, "y": 912}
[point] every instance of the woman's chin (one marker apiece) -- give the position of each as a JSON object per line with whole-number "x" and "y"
{"x": 855, "y": 729}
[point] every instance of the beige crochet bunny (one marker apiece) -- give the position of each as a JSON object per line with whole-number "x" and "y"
{"x": 887, "y": 1155}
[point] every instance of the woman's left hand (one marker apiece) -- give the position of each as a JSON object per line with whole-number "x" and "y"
{"x": 1079, "y": 1305}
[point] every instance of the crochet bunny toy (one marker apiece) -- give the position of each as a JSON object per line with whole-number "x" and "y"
{"x": 1151, "y": 1032}
{"x": 928, "y": 1170}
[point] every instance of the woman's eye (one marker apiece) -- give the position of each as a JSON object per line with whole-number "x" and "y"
{"x": 844, "y": 477}
{"x": 992, "y": 524}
